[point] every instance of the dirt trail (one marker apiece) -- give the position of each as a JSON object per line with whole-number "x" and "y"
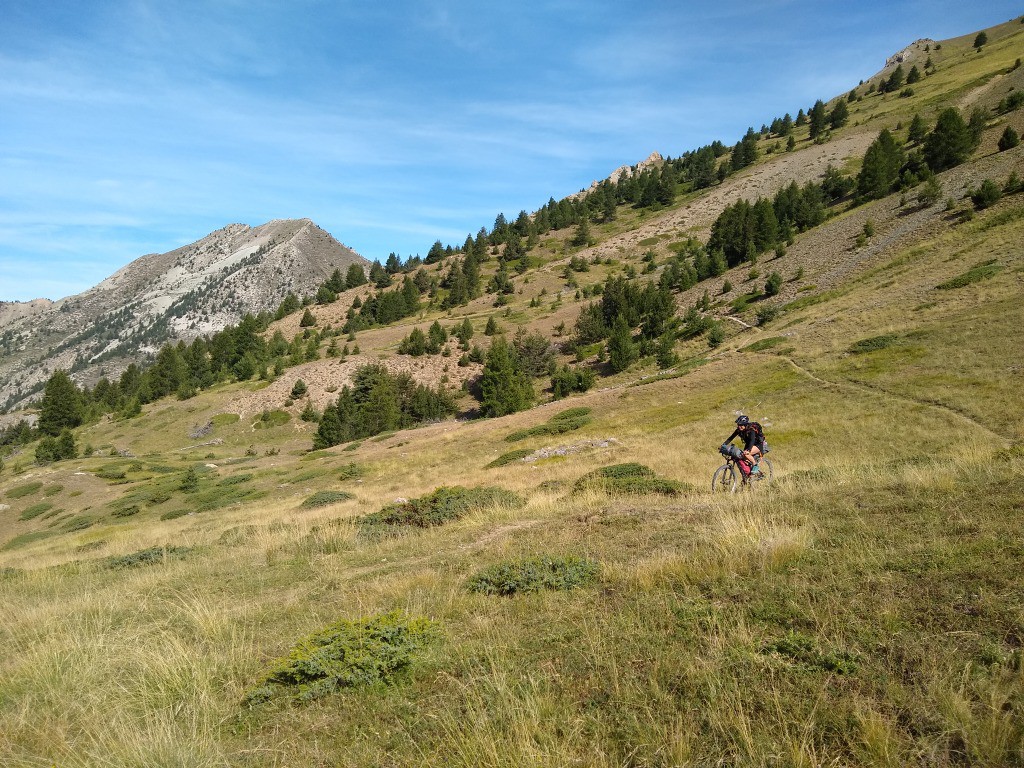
{"x": 877, "y": 390}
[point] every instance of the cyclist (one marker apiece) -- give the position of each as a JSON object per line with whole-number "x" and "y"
{"x": 753, "y": 444}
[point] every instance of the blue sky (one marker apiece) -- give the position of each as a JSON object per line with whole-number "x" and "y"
{"x": 134, "y": 127}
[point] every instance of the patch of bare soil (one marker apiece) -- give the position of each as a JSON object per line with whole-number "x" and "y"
{"x": 325, "y": 378}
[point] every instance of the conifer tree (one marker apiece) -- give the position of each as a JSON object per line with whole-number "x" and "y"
{"x": 504, "y": 387}
{"x": 950, "y": 143}
{"x": 881, "y": 168}
{"x": 622, "y": 351}
{"x": 61, "y": 407}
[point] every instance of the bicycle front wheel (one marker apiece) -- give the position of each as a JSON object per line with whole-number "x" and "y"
{"x": 724, "y": 479}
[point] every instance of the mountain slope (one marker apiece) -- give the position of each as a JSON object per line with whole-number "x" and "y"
{"x": 866, "y": 609}
{"x": 191, "y": 291}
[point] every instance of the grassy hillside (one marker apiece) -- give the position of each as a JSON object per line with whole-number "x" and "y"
{"x": 165, "y": 600}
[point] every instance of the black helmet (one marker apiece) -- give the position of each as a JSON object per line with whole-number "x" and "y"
{"x": 742, "y": 421}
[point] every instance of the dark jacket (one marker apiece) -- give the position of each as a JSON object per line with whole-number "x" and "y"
{"x": 751, "y": 437}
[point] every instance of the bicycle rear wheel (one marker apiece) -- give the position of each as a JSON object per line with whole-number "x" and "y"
{"x": 725, "y": 479}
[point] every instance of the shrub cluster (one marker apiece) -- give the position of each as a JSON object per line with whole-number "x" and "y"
{"x": 804, "y": 650}
{"x": 441, "y": 506}
{"x": 977, "y": 273}
{"x": 326, "y": 498}
{"x": 149, "y": 556}
{"x": 509, "y": 457}
{"x": 560, "y": 423}
{"x": 534, "y": 574}
{"x": 346, "y": 654}
{"x": 873, "y": 344}
{"x": 628, "y": 478}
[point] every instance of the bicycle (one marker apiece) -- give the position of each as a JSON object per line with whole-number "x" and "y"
{"x": 728, "y": 477}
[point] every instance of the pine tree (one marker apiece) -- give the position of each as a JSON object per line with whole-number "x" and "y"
{"x": 839, "y": 115}
{"x": 504, "y": 387}
{"x": 918, "y": 130}
{"x": 355, "y": 276}
{"x": 61, "y": 407}
{"x": 622, "y": 351}
{"x": 817, "y": 118}
{"x": 980, "y": 40}
{"x": 950, "y": 143}
{"x": 881, "y": 168}
{"x": 308, "y": 320}
{"x": 1009, "y": 139}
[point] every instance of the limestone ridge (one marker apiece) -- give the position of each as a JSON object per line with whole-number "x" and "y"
{"x": 191, "y": 291}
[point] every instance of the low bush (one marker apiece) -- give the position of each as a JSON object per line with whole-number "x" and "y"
{"x": 79, "y": 523}
{"x": 629, "y": 478}
{"x": 507, "y": 458}
{"x": 35, "y": 510}
{"x": 128, "y": 511}
{"x": 237, "y": 479}
{"x": 20, "y": 491}
{"x": 441, "y": 506}
{"x": 149, "y": 556}
{"x": 270, "y": 419}
{"x": 534, "y": 574}
{"x": 560, "y": 423}
{"x": 52, "y": 490}
{"x": 347, "y": 654}
{"x": 979, "y": 272}
{"x": 873, "y": 344}
{"x": 326, "y": 498}
{"x": 351, "y": 471}
{"x": 803, "y": 649}
{"x": 762, "y": 344}
{"x": 174, "y": 514}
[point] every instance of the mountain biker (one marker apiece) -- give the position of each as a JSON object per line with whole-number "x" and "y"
{"x": 753, "y": 444}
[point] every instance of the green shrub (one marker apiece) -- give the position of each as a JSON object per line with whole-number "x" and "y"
{"x": 629, "y": 478}
{"x": 763, "y": 344}
{"x": 52, "y": 490}
{"x": 534, "y": 574}
{"x": 112, "y": 474}
{"x": 35, "y": 510}
{"x": 873, "y": 344}
{"x": 173, "y": 514}
{"x": 326, "y": 498}
{"x": 128, "y": 511}
{"x": 986, "y": 195}
{"x": 78, "y": 523}
{"x": 26, "y": 538}
{"x": 441, "y": 506}
{"x": 560, "y": 423}
{"x": 243, "y": 477}
{"x": 979, "y": 272}
{"x": 20, "y": 491}
{"x": 347, "y": 654}
{"x": 509, "y": 457}
{"x": 149, "y": 556}
{"x": 350, "y": 471}
{"x": 803, "y": 649}
{"x": 270, "y": 419}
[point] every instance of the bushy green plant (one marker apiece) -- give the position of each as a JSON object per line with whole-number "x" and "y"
{"x": 346, "y": 654}
{"x": 805, "y": 650}
{"x": 149, "y": 556}
{"x": 509, "y": 457}
{"x": 977, "y": 273}
{"x": 441, "y": 506}
{"x": 627, "y": 478}
{"x": 35, "y": 510}
{"x": 873, "y": 344}
{"x": 350, "y": 471}
{"x": 20, "y": 491}
{"x": 326, "y": 498}
{"x": 986, "y": 195}
{"x": 534, "y": 574}
{"x": 560, "y": 423}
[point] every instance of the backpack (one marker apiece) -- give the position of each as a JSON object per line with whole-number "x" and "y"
{"x": 762, "y": 443}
